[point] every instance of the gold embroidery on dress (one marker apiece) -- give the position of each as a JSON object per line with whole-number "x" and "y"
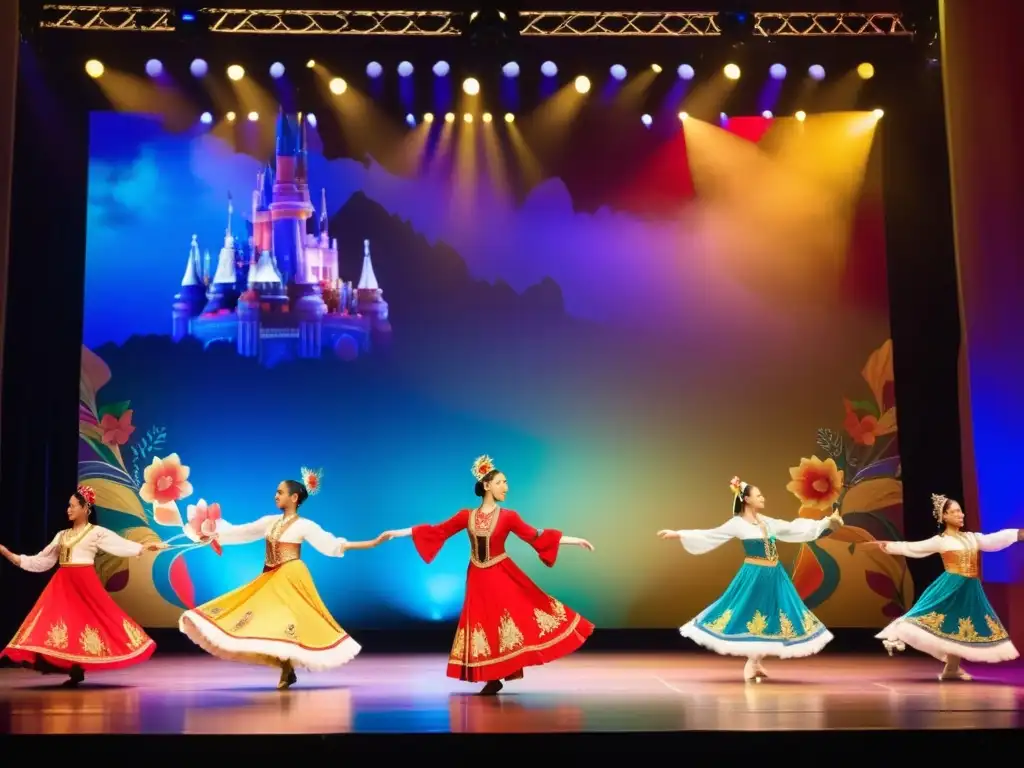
{"x": 290, "y": 631}
{"x": 932, "y": 621}
{"x": 478, "y": 645}
{"x": 719, "y": 624}
{"x": 246, "y": 618}
{"x": 965, "y": 630}
{"x": 549, "y": 622}
{"x": 216, "y": 611}
{"x": 964, "y": 561}
{"x": 57, "y": 637}
{"x": 509, "y": 636}
{"x": 69, "y": 540}
{"x": 92, "y": 643}
{"x": 459, "y": 646}
{"x": 995, "y": 629}
{"x": 758, "y": 624}
{"x": 136, "y": 638}
{"x": 26, "y": 630}
{"x": 810, "y": 622}
{"x": 276, "y": 552}
{"x": 786, "y": 626}
{"x": 483, "y": 532}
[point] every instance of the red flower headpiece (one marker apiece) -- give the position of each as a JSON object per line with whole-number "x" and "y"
{"x": 87, "y": 493}
{"x": 482, "y": 466}
{"x": 311, "y": 479}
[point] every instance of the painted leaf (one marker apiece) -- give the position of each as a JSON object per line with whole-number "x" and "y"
{"x": 892, "y": 610}
{"x": 93, "y": 377}
{"x": 853, "y": 546}
{"x": 864, "y": 407}
{"x": 181, "y": 582}
{"x": 103, "y": 451}
{"x": 118, "y": 581}
{"x": 813, "y": 513}
{"x": 877, "y": 372}
{"x": 881, "y": 585}
{"x": 852, "y": 534}
{"x": 886, "y": 422}
{"x": 830, "y": 574}
{"x": 807, "y": 572}
{"x": 114, "y": 409}
{"x": 878, "y": 469}
{"x": 168, "y": 514}
{"x": 116, "y": 497}
{"x": 869, "y": 495}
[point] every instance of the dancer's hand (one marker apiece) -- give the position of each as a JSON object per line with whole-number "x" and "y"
{"x": 669, "y": 535}
{"x": 388, "y": 536}
{"x": 585, "y": 545}
{"x": 155, "y": 546}
{"x": 880, "y": 544}
{"x": 835, "y": 520}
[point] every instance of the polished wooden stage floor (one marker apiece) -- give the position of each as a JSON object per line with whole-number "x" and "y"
{"x": 588, "y": 692}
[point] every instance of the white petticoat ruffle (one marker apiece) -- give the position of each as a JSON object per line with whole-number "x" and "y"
{"x": 755, "y": 648}
{"x": 216, "y": 642}
{"x": 902, "y": 632}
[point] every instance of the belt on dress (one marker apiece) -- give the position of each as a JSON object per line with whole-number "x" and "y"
{"x": 762, "y": 561}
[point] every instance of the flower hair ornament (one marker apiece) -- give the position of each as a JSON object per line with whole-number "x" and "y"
{"x": 311, "y": 480}
{"x": 88, "y": 493}
{"x": 737, "y": 487}
{"x": 938, "y": 504}
{"x": 483, "y": 466}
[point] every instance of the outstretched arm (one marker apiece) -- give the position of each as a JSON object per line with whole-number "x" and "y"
{"x": 802, "y": 530}
{"x": 996, "y": 542}
{"x": 334, "y": 546}
{"x": 546, "y": 542}
{"x": 44, "y": 561}
{"x": 699, "y": 542}
{"x": 915, "y": 549}
{"x": 226, "y": 533}
{"x": 109, "y": 542}
{"x": 428, "y": 539}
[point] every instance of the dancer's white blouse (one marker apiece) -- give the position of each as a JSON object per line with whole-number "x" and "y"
{"x": 793, "y": 531}
{"x": 985, "y": 542}
{"x": 301, "y": 530}
{"x": 83, "y": 551}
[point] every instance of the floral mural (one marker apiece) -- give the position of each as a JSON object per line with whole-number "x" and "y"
{"x": 858, "y": 474}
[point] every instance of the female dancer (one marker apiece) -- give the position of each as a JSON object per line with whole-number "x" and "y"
{"x": 277, "y": 619}
{"x": 755, "y": 615}
{"x": 507, "y": 622}
{"x": 75, "y": 625}
{"x": 952, "y": 619}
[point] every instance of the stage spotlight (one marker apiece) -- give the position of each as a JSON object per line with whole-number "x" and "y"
{"x": 549, "y": 69}
{"x": 471, "y": 86}
{"x": 866, "y": 70}
{"x": 428, "y": 117}
{"x": 441, "y": 69}
{"x": 487, "y": 117}
{"x": 310, "y": 64}
{"x": 206, "y": 118}
{"x": 618, "y": 72}
{"x": 582, "y": 84}
{"x": 685, "y": 72}
{"x": 732, "y": 71}
{"x": 374, "y": 69}
{"x": 646, "y": 120}
{"x": 722, "y": 117}
{"x": 767, "y": 114}
{"x": 311, "y": 119}
{"x": 509, "y": 117}
{"x": 154, "y": 68}
{"x": 877, "y": 113}
{"x": 405, "y": 69}
{"x": 230, "y": 117}
{"x": 777, "y": 71}
{"x": 337, "y": 86}
{"x": 683, "y": 117}
{"x": 277, "y": 70}
{"x": 467, "y": 117}
{"x": 253, "y": 116}
{"x": 510, "y": 70}
{"x": 236, "y": 72}
{"x": 199, "y": 68}
{"x": 410, "y": 120}
{"x": 817, "y": 72}
{"x": 93, "y": 68}
{"x": 449, "y": 117}
{"x": 800, "y": 115}
{"x": 656, "y": 68}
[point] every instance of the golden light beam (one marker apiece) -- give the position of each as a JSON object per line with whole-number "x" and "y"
{"x": 131, "y": 93}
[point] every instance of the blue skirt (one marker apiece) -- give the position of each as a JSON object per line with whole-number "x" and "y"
{"x": 760, "y": 614}
{"x": 952, "y": 618}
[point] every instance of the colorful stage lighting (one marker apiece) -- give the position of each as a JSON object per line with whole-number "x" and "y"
{"x": 509, "y": 117}
{"x": 277, "y": 70}
{"x": 449, "y": 117}
{"x": 94, "y": 68}
{"x": 253, "y": 116}
{"x": 800, "y": 115}
{"x": 866, "y": 70}
{"x": 511, "y": 69}
{"x": 206, "y": 118}
{"x": 582, "y": 84}
{"x": 405, "y": 69}
{"x": 154, "y": 68}
{"x": 311, "y": 119}
{"x": 310, "y": 64}
{"x": 777, "y": 71}
{"x": 199, "y": 68}
{"x": 236, "y": 72}
{"x": 767, "y": 114}
{"x": 647, "y": 120}
{"x": 471, "y": 86}
{"x": 877, "y": 114}
{"x": 549, "y": 69}
{"x": 467, "y": 117}
{"x": 618, "y": 72}
{"x": 817, "y": 72}
{"x": 230, "y": 117}
{"x": 683, "y": 117}
{"x": 374, "y": 70}
{"x": 410, "y": 120}
{"x": 428, "y": 117}
{"x": 732, "y": 71}
{"x": 441, "y": 69}
{"x": 487, "y": 117}
{"x": 685, "y": 72}
{"x": 337, "y": 86}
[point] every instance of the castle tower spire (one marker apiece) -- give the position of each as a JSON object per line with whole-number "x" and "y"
{"x": 370, "y": 298}
{"x": 192, "y": 267}
{"x": 367, "y": 279}
{"x": 323, "y": 217}
{"x": 188, "y": 303}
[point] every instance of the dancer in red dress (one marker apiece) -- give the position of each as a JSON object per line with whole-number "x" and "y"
{"x": 507, "y": 622}
{"x": 75, "y": 625}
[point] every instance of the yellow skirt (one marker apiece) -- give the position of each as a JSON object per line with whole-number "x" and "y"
{"x": 278, "y": 617}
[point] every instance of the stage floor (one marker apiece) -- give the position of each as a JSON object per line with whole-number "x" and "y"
{"x": 587, "y": 692}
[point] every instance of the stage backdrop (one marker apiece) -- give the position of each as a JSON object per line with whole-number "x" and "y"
{"x": 655, "y": 313}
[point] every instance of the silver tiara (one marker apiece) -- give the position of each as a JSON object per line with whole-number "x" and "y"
{"x": 938, "y": 504}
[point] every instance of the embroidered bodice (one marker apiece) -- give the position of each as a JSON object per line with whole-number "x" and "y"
{"x": 72, "y": 548}
{"x": 283, "y": 536}
{"x": 758, "y": 538}
{"x": 487, "y": 536}
{"x": 959, "y": 551}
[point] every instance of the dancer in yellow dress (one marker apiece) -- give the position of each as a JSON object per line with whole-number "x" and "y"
{"x": 278, "y": 619}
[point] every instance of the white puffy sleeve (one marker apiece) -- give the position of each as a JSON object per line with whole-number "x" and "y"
{"x": 700, "y": 542}
{"x": 109, "y": 542}
{"x": 322, "y": 541}
{"x": 44, "y": 561}
{"x": 924, "y": 548}
{"x": 996, "y": 542}
{"x": 237, "y": 534}
{"x": 797, "y": 531}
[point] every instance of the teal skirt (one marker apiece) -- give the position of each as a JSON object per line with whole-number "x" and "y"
{"x": 760, "y": 614}
{"x": 952, "y": 618}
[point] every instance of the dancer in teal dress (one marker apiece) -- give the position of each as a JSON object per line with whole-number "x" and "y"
{"x": 760, "y": 613}
{"x": 952, "y": 620}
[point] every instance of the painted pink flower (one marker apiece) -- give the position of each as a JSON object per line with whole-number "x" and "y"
{"x": 165, "y": 481}
{"x": 116, "y": 431}
{"x": 203, "y": 517}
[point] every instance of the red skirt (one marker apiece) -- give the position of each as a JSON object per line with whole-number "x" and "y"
{"x": 75, "y": 623}
{"x": 508, "y": 623}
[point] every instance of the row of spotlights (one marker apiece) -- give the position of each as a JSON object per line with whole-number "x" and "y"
{"x": 199, "y": 68}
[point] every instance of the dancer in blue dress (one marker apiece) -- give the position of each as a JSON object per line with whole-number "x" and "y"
{"x": 952, "y": 619}
{"x": 760, "y": 613}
